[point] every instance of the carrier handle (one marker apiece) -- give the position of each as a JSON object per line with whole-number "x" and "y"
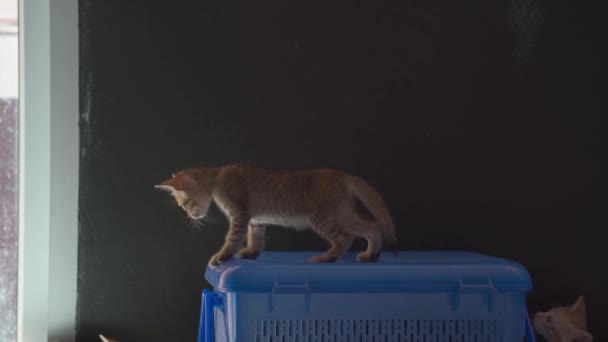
{"x": 290, "y": 288}
{"x": 209, "y": 300}
{"x": 462, "y": 287}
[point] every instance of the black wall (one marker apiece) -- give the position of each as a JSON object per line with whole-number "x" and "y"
{"x": 477, "y": 120}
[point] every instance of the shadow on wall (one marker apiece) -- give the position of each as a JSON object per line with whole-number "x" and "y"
{"x": 527, "y": 20}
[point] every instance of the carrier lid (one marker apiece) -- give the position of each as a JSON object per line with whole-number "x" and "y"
{"x": 409, "y": 272}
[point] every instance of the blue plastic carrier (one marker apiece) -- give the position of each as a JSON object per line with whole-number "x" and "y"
{"x": 418, "y": 296}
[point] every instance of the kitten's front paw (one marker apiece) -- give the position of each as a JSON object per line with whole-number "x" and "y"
{"x": 218, "y": 259}
{"x": 323, "y": 258}
{"x": 248, "y": 253}
{"x": 367, "y": 257}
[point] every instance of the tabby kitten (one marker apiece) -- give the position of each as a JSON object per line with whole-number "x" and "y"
{"x": 325, "y": 200}
{"x": 564, "y": 324}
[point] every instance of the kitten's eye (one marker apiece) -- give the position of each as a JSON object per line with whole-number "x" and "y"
{"x": 187, "y": 203}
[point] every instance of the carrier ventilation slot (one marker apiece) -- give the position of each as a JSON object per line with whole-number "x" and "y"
{"x": 378, "y": 330}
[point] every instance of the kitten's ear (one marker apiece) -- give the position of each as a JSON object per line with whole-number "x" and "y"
{"x": 579, "y": 305}
{"x": 182, "y": 182}
{"x": 165, "y": 187}
{"x": 170, "y": 185}
{"x": 581, "y": 336}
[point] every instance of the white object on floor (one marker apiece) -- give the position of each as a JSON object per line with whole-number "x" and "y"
{"x": 104, "y": 339}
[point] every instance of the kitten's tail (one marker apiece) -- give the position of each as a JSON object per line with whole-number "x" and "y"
{"x": 375, "y": 204}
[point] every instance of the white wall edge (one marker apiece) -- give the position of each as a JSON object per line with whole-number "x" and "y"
{"x": 48, "y": 170}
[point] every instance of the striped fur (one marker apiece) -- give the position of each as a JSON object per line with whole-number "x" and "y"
{"x": 252, "y": 198}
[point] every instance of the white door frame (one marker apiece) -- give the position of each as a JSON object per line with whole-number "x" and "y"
{"x": 48, "y": 169}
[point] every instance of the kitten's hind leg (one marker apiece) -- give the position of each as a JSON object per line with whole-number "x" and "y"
{"x": 340, "y": 240}
{"x": 368, "y": 230}
{"x": 255, "y": 241}
{"x": 374, "y": 245}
